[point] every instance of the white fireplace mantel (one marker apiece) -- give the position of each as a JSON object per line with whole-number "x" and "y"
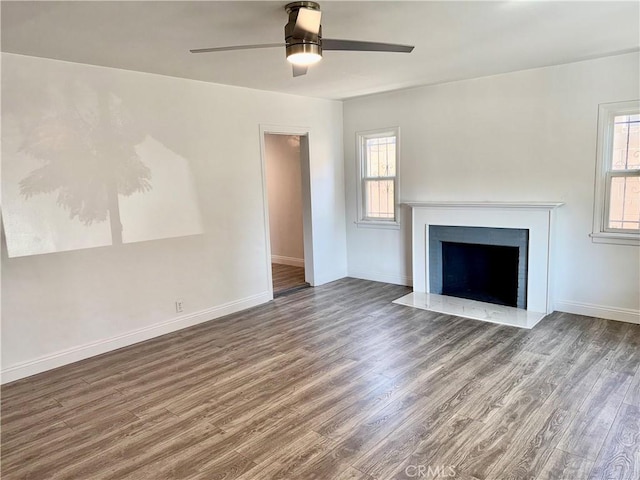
{"x": 537, "y": 217}
{"x": 520, "y": 205}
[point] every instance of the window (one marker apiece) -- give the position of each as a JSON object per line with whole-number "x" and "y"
{"x": 378, "y": 174}
{"x": 617, "y": 203}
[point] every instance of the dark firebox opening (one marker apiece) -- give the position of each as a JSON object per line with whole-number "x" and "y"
{"x": 487, "y": 273}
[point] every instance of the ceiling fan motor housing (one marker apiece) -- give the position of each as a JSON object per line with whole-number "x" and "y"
{"x": 300, "y": 40}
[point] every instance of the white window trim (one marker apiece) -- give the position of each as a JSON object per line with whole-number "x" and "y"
{"x": 600, "y": 233}
{"x": 361, "y": 221}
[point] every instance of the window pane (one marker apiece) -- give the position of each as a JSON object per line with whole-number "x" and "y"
{"x": 373, "y": 161}
{"x": 390, "y": 164}
{"x": 380, "y": 157}
{"x": 633, "y": 157}
{"x": 626, "y": 143}
{"x": 624, "y": 206}
{"x": 379, "y": 199}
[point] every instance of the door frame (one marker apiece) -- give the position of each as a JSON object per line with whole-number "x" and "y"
{"x": 307, "y": 220}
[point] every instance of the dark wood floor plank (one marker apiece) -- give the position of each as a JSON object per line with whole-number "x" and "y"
{"x": 564, "y": 466}
{"x": 18, "y": 413}
{"x": 228, "y": 467}
{"x": 633, "y": 394}
{"x": 40, "y": 391}
{"x": 443, "y": 403}
{"x": 147, "y": 457}
{"x": 353, "y": 474}
{"x": 554, "y": 334}
{"x": 363, "y": 446}
{"x": 523, "y": 369}
{"x": 337, "y": 383}
{"x": 113, "y": 403}
{"x": 619, "y": 457}
{"x": 232, "y": 397}
{"x": 431, "y": 371}
{"x": 21, "y": 440}
{"x": 289, "y": 459}
{"x": 590, "y": 426}
{"x": 51, "y": 441}
{"x": 626, "y": 357}
{"x": 50, "y": 459}
{"x": 526, "y": 414}
{"x": 439, "y": 448}
{"x": 538, "y": 434}
{"x": 286, "y": 277}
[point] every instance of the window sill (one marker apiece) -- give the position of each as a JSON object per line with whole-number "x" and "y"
{"x": 616, "y": 238}
{"x": 380, "y": 225}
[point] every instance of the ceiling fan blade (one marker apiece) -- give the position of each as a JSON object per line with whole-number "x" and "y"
{"x": 356, "y": 45}
{"x": 307, "y": 22}
{"x": 237, "y": 47}
{"x": 299, "y": 70}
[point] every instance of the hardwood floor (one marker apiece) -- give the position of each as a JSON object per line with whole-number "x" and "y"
{"x": 287, "y": 278}
{"x": 336, "y": 382}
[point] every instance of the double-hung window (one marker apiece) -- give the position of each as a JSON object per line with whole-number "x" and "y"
{"x": 617, "y": 203}
{"x": 378, "y": 156}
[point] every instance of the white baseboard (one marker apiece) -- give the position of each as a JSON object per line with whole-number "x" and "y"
{"x": 81, "y": 352}
{"x": 381, "y": 277}
{"x": 294, "y": 262}
{"x": 599, "y": 311}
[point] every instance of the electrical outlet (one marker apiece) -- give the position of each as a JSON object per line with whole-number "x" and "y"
{"x": 179, "y": 306}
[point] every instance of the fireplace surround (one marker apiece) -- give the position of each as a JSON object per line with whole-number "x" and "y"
{"x": 536, "y": 218}
{"x": 479, "y": 263}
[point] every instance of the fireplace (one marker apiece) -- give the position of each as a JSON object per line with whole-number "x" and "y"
{"x": 474, "y": 235}
{"x": 479, "y": 263}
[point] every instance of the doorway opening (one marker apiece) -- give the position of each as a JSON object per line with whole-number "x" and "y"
{"x": 285, "y": 158}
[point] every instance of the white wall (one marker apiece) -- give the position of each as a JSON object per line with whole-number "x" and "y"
{"x": 60, "y": 307}
{"x": 528, "y": 135}
{"x": 284, "y": 188}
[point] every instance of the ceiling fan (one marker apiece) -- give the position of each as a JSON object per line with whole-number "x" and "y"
{"x": 303, "y": 39}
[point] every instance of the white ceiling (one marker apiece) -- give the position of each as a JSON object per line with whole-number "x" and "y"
{"x": 453, "y": 40}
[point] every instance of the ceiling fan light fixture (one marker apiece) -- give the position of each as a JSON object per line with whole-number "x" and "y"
{"x": 304, "y": 54}
{"x": 304, "y": 42}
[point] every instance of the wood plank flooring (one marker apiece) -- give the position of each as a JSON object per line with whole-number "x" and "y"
{"x": 338, "y": 383}
{"x": 287, "y": 278}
